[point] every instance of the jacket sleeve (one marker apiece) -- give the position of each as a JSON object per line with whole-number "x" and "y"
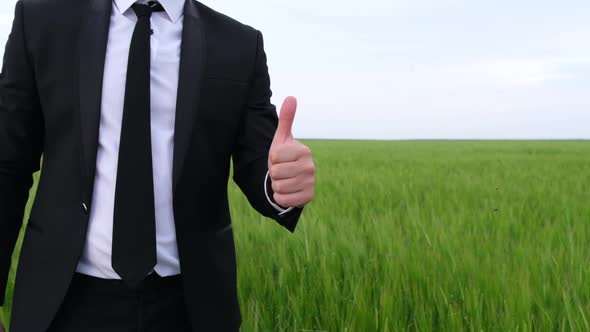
{"x": 257, "y": 127}
{"x": 21, "y": 140}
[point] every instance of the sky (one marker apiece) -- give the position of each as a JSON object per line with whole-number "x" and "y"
{"x": 423, "y": 69}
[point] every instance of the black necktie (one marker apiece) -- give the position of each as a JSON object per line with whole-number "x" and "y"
{"x": 134, "y": 222}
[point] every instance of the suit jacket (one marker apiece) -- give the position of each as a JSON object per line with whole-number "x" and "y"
{"x": 50, "y": 97}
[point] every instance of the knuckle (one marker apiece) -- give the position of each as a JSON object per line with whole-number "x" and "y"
{"x": 273, "y": 171}
{"x": 282, "y": 201}
{"x": 277, "y": 197}
{"x": 277, "y": 187}
{"x": 296, "y": 147}
{"x": 306, "y": 150}
{"x": 274, "y": 156}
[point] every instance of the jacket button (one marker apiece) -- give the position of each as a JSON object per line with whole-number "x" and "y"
{"x": 85, "y": 208}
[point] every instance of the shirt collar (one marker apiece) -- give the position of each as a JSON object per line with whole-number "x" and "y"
{"x": 174, "y": 8}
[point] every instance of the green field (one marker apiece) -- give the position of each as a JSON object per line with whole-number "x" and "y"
{"x": 426, "y": 236}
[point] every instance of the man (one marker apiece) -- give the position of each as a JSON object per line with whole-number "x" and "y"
{"x": 137, "y": 109}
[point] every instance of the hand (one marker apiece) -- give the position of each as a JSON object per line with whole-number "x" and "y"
{"x": 290, "y": 164}
{"x": 2, "y": 328}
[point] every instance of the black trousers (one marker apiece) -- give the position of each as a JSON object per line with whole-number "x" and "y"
{"x": 99, "y": 305}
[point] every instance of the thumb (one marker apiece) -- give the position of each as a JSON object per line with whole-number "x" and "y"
{"x": 286, "y": 118}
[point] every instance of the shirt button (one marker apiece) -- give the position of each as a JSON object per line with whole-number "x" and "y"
{"x": 85, "y": 208}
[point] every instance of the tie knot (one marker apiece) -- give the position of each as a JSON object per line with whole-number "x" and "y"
{"x": 146, "y": 10}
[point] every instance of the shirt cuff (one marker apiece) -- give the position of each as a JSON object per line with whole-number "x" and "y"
{"x": 279, "y": 209}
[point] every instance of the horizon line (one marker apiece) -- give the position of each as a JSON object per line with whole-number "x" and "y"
{"x": 452, "y": 139}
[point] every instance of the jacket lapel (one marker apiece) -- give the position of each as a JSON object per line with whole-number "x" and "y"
{"x": 192, "y": 63}
{"x": 92, "y": 51}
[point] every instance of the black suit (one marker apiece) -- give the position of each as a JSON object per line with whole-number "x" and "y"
{"x": 50, "y": 96}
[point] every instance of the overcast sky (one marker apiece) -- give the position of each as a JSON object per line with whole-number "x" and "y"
{"x": 392, "y": 69}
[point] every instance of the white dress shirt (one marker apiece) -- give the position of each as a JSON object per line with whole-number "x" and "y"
{"x": 165, "y": 62}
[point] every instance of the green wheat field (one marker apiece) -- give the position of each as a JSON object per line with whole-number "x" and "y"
{"x": 425, "y": 236}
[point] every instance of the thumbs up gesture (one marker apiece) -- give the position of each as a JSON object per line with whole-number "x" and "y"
{"x": 290, "y": 164}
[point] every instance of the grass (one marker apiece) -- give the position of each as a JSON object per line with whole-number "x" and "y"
{"x": 426, "y": 236}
